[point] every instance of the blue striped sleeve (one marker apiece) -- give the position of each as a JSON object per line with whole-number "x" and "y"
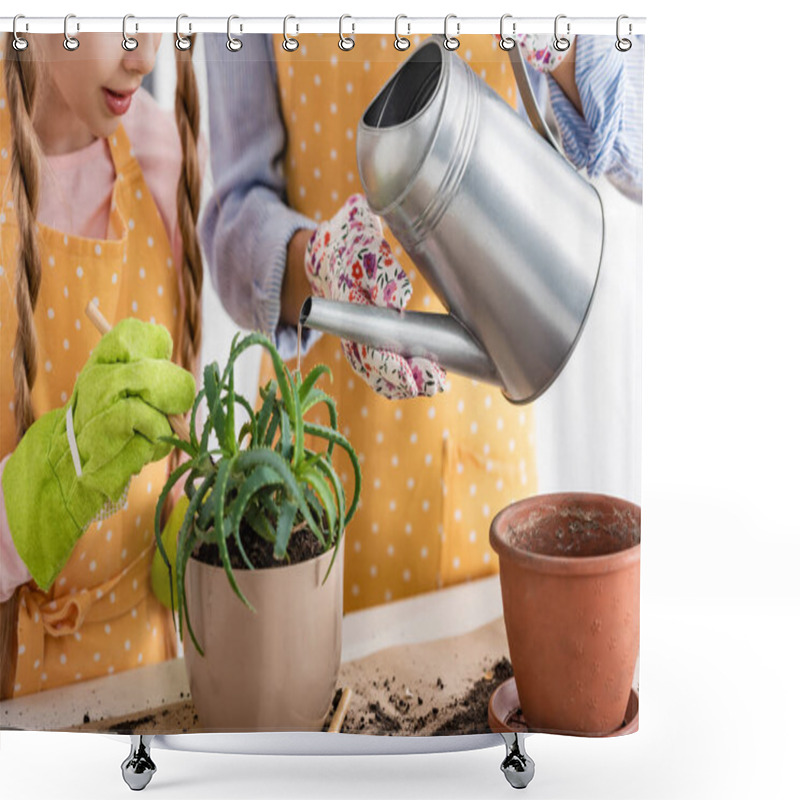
{"x": 607, "y": 139}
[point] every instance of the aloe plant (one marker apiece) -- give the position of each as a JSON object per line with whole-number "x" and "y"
{"x": 267, "y": 474}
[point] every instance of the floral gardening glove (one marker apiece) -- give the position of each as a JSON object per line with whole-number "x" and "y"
{"x": 118, "y": 412}
{"x": 538, "y": 50}
{"x": 349, "y": 260}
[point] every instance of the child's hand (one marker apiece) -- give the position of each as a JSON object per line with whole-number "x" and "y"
{"x": 76, "y": 461}
{"x": 348, "y": 259}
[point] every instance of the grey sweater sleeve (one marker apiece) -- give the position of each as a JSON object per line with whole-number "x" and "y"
{"x": 247, "y": 224}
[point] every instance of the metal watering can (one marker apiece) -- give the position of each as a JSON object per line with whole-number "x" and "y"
{"x": 501, "y": 225}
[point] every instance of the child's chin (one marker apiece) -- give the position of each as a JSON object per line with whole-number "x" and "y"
{"x": 106, "y": 126}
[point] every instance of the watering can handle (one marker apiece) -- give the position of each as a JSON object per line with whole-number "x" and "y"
{"x": 529, "y": 98}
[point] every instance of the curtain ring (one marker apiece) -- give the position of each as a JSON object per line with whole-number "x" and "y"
{"x": 623, "y": 45}
{"x": 346, "y": 42}
{"x": 233, "y": 44}
{"x": 129, "y": 42}
{"x": 182, "y": 42}
{"x": 70, "y": 42}
{"x": 18, "y": 43}
{"x": 451, "y": 42}
{"x": 507, "y": 42}
{"x": 400, "y": 42}
{"x": 290, "y": 44}
{"x": 560, "y": 43}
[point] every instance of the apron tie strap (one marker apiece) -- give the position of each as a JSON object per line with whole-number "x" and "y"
{"x": 40, "y": 616}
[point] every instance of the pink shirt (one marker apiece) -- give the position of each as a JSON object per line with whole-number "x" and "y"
{"x": 76, "y": 187}
{"x": 76, "y": 198}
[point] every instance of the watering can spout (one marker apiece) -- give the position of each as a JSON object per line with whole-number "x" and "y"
{"x": 438, "y": 337}
{"x": 506, "y": 233}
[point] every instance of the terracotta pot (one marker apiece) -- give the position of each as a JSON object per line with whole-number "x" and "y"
{"x": 273, "y": 670}
{"x": 569, "y": 571}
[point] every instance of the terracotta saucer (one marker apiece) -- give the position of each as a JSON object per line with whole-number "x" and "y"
{"x": 505, "y": 715}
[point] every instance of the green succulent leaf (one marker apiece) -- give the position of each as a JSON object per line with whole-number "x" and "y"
{"x": 286, "y": 434}
{"x": 237, "y": 536}
{"x": 274, "y": 424}
{"x": 212, "y": 388}
{"x": 229, "y": 443}
{"x": 284, "y": 529}
{"x": 315, "y": 396}
{"x": 244, "y": 403}
{"x": 332, "y": 476}
{"x": 315, "y": 373}
{"x": 265, "y": 414}
{"x": 218, "y": 500}
{"x": 337, "y": 438}
{"x": 193, "y": 424}
{"x": 258, "y": 479}
{"x": 270, "y": 458}
{"x": 260, "y": 523}
{"x": 245, "y": 431}
{"x": 186, "y": 542}
{"x": 179, "y": 444}
{"x": 171, "y": 481}
{"x": 317, "y": 482}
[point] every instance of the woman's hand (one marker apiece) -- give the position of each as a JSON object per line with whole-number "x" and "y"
{"x": 537, "y": 49}
{"x": 347, "y": 259}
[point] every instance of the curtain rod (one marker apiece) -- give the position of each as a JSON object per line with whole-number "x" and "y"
{"x": 299, "y": 25}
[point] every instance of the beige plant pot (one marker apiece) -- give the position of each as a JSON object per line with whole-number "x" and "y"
{"x": 273, "y": 670}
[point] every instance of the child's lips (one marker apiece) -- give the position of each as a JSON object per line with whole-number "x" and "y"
{"x": 118, "y": 102}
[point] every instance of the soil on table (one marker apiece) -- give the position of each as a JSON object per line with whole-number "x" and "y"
{"x": 432, "y": 688}
{"x": 179, "y": 717}
{"x": 398, "y": 711}
{"x": 303, "y": 546}
{"x": 404, "y": 713}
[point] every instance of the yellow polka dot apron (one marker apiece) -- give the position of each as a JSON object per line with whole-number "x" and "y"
{"x": 436, "y": 470}
{"x": 100, "y": 616}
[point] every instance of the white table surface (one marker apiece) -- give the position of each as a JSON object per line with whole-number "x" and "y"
{"x": 448, "y": 612}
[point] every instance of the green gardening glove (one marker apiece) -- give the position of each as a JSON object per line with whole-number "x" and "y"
{"x": 120, "y": 405}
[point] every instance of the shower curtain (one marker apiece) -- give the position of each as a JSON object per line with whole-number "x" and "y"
{"x": 208, "y": 210}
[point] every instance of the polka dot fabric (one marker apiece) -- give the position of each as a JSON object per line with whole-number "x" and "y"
{"x": 436, "y": 470}
{"x": 99, "y": 617}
